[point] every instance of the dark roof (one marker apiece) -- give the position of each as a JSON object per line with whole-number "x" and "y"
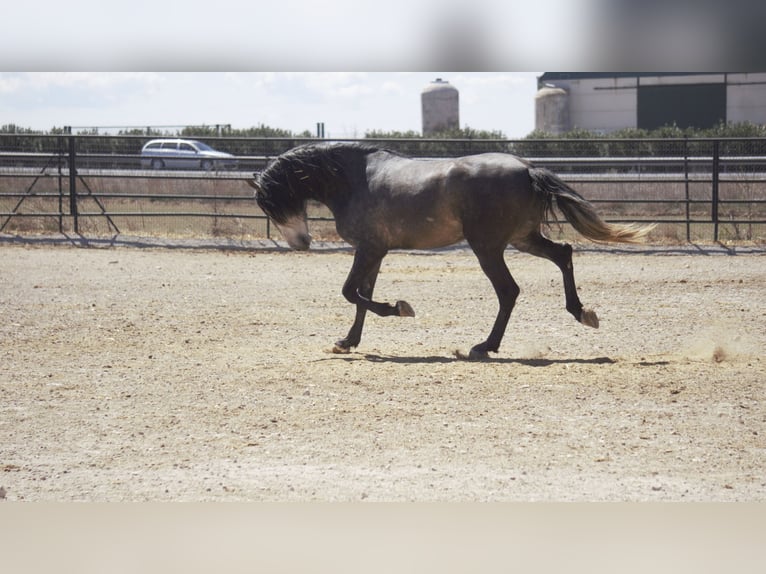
{"x": 553, "y": 76}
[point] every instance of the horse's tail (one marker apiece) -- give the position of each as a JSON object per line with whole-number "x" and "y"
{"x": 580, "y": 213}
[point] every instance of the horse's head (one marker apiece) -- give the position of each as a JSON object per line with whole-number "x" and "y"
{"x": 286, "y": 209}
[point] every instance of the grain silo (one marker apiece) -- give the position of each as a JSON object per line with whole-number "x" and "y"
{"x": 441, "y": 107}
{"x": 552, "y": 110}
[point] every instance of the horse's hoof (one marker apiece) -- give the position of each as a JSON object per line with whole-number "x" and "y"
{"x": 477, "y": 355}
{"x": 589, "y": 318}
{"x": 473, "y": 355}
{"x": 339, "y": 348}
{"x": 404, "y": 309}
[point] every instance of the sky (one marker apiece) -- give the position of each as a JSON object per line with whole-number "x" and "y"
{"x": 244, "y": 64}
{"x": 348, "y": 103}
{"x": 201, "y": 40}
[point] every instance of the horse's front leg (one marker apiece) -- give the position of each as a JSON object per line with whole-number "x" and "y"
{"x": 355, "y": 333}
{"x": 358, "y": 289}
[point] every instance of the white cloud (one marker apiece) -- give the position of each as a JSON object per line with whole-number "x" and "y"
{"x": 9, "y": 83}
{"x": 334, "y": 84}
{"x": 492, "y": 80}
{"x": 390, "y": 87}
{"x": 76, "y": 80}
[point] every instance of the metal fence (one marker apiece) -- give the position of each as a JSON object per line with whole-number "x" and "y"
{"x": 696, "y": 189}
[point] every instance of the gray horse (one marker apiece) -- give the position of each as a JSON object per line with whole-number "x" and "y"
{"x": 382, "y": 200}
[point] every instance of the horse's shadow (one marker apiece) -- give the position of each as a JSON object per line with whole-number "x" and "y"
{"x": 434, "y": 359}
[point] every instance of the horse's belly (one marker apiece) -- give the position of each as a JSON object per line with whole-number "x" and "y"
{"x": 429, "y": 233}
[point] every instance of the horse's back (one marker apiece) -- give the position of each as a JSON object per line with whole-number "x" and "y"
{"x": 419, "y": 203}
{"x": 496, "y": 160}
{"x": 408, "y": 175}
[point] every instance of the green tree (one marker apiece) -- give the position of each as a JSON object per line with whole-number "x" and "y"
{"x": 450, "y": 142}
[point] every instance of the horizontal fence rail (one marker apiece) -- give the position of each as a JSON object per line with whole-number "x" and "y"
{"x": 695, "y": 189}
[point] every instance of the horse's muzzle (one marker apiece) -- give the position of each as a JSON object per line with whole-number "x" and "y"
{"x": 299, "y": 242}
{"x": 296, "y": 232}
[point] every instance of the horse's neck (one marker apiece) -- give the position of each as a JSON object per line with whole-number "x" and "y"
{"x": 333, "y": 182}
{"x": 331, "y": 192}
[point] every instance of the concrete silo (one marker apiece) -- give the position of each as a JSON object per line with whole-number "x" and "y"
{"x": 440, "y": 103}
{"x": 552, "y": 110}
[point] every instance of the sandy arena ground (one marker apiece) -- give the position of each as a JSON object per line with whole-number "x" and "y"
{"x": 178, "y": 374}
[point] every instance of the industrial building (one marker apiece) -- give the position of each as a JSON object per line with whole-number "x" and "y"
{"x": 604, "y": 102}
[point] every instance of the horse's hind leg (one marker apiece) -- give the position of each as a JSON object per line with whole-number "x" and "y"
{"x": 561, "y": 255}
{"x": 493, "y": 264}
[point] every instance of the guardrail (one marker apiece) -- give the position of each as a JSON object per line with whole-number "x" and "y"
{"x": 94, "y": 184}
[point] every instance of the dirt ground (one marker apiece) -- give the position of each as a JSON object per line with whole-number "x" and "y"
{"x": 184, "y": 374}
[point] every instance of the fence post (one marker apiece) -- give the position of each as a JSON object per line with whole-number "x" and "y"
{"x": 716, "y": 169}
{"x": 686, "y": 183}
{"x": 61, "y": 183}
{"x": 73, "y": 183}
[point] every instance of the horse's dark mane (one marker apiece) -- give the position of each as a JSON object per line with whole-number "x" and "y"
{"x": 320, "y": 158}
{"x": 309, "y": 171}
